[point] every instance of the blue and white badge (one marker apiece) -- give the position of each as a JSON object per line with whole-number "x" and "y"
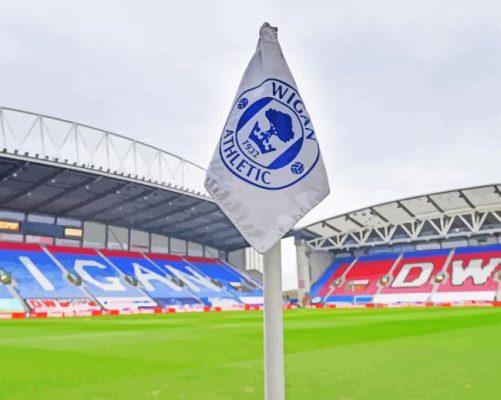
{"x": 268, "y": 140}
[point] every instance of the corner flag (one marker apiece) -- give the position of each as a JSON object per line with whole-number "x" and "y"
{"x": 267, "y": 171}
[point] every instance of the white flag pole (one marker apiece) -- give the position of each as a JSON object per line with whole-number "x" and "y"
{"x": 274, "y": 377}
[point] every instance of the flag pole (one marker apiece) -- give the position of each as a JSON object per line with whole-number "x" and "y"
{"x": 274, "y": 379}
{"x": 265, "y": 195}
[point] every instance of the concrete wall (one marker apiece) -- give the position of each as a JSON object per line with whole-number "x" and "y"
{"x": 237, "y": 259}
{"x": 311, "y": 264}
{"x": 303, "y": 270}
{"x": 319, "y": 261}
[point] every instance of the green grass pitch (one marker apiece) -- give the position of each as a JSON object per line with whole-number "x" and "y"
{"x": 406, "y": 353}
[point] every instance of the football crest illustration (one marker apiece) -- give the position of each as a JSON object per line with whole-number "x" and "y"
{"x": 268, "y": 140}
{"x": 280, "y": 125}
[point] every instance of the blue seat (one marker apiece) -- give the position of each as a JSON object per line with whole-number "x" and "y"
{"x": 245, "y": 290}
{"x": 210, "y": 292}
{"x": 158, "y": 283}
{"x": 101, "y": 279}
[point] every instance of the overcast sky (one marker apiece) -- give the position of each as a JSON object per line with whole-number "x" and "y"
{"x": 405, "y": 96}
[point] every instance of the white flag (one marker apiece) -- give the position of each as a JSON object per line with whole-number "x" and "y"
{"x": 267, "y": 171}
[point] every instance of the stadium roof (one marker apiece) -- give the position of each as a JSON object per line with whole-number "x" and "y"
{"x": 62, "y": 168}
{"x": 456, "y": 213}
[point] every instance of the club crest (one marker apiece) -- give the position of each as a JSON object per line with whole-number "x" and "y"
{"x": 268, "y": 140}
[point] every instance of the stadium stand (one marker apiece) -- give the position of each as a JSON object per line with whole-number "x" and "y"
{"x": 39, "y": 281}
{"x": 61, "y": 279}
{"x": 42, "y": 278}
{"x": 457, "y": 275}
{"x": 101, "y": 279}
{"x": 61, "y": 185}
{"x": 159, "y": 284}
{"x": 330, "y": 277}
{"x": 244, "y": 289}
{"x": 207, "y": 288}
{"x": 472, "y": 274}
{"x": 415, "y": 286}
{"x": 8, "y": 301}
{"x": 359, "y": 283}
